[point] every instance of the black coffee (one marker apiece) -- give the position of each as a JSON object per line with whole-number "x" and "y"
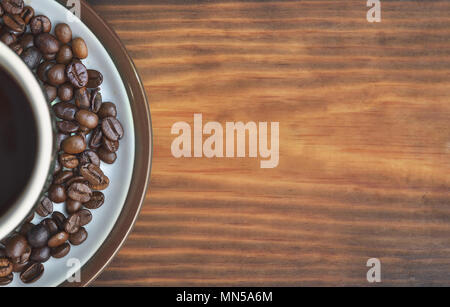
{"x": 18, "y": 141}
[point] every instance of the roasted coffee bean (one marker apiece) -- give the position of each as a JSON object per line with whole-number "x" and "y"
{"x": 57, "y": 168}
{"x": 111, "y": 146}
{"x": 16, "y": 246}
{"x": 29, "y": 218}
{"x": 38, "y": 236}
{"x": 77, "y": 74}
{"x": 40, "y": 24}
{"x": 51, "y": 226}
{"x": 25, "y": 228}
{"x": 60, "y": 137}
{"x": 96, "y": 100}
{"x": 73, "y": 206}
{"x": 89, "y": 156}
{"x": 106, "y": 156}
{"x": 97, "y": 200}
{"x": 56, "y": 75}
{"x": 15, "y": 23}
{"x": 108, "y": 109}
{"x": 82, "y": 98}
{"x": 59, "y": 219}
{"x": 45, "y": 207}
{"x": 47, "y": 43}
{"x": 102, "y": 185}
{"x": 79, "y": 179}
{"x": 49, "y": 56}
{"x": 67, "y": 127}
{"x": 84, "y": 131}
{"x": 58, "y": 239}
{"x": 79, "y": 237}
{"x": 79, "y": 47}
{"x": 6, "y": 267}
{"x": 65, "y": 92}
{"x": 64, "y": 55}
{"x": 13, "y": 6}
{"x": 4, "y": 281}
{"x": 85, "y": 217}
{"x": 27, "y": 14}
{"x": 27, "y": 41}
{"x": 57, "y": 193}
{"x": 69, "y": 161}
{"x": 87, "y": 119}
{"x": 17, "y": 48}
{"x": 63, "y": 33}
{"x": 60, "y": 251}
{"x": 92, "y": 173}
{"x": 32, "y": 273}
{"x": 96, "y": 138}
{"x": 80, "y": 192}
{"x": 43, "y": 69}
{"x": 65, "y": 110}
{"x": 72, "y": 224}
{"x": 32, "y": 57}
{"x": 8, "y": 38}
{"x": 19, "y": 267}
{"x": 41, "y": 254}
{"x": 95, "y": 78}
{"x": 112, "y": 128}
{"x": 74, "y": 145}
{"x": 50, "y": 92}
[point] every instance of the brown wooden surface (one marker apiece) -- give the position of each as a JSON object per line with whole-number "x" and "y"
{"x": 364, "y": 142}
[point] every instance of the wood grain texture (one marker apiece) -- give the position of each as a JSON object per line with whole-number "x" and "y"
{"x": 364, "y": 142}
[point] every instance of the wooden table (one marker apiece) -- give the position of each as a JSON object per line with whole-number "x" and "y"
{"x": 364, "y": 112}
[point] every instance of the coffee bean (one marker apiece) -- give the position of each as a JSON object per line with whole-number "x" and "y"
{"x": 19, "y": 267}
{"x": 50, "y": 92}
{"x": 62, "y": 177}
{"x": 67, "y": 127}
{"x": 79, "y": 179}
{"x": 60, "y": 137}
{"x": 32, "y": 273}
{"x": 6, "y": 267}
{"x": 89, "y": 156}
{"x": 69, "y": 161}
{"x": 60, "y": 251}
{"x": 16, "y": 246}
{"x": 97, "y": 200}
{"x": 112, "y": 128}
{"x": 79, "y": 237}
{"x": 57, "y": 75}
{"x": 51, "y": 226}
{"x": 49, "y": 56}
{"x": 45, "y": 207}
{"x": 93, "y": 174}
{"x": 72, "y": 224}
{"x": 6, "y": 280}
{"x": 101, "y": 186}
{"x": 8, "y": 38}
{"x": 73, "y": 206}
{"x": 38, "y": 236}
{"x": 106, "y": 156}
{"x": 87, "y": 119}
{"x": 65, "y": 110}
{"x": 96, "y": 138}
{"x": 57, "y": 193}
{"x": 95, "y": 78}
{"x": 111, "y": 146}
{"x": 13, "y": 6}
{"x": 27, "y": 41}
{"x": 57, "y": 168}
{"x": 58, "y": 239}
{"x": 15, "y": 23}
{"x": 43, "y": 69}
{"x": 85, "y": 217}
{"x": 96, "y": 100}
{"x": 77, "y": 74}
{"x": 32, "y": 57}
{"x": 63, "y": 33}
{"x": 40, "y": 24}
{"x": 25, "y": 228}
{"x": 79, "y": 47}
{"x": 27, "y": 14}
{"x": 47, "y": 43}
{"x": 108, "y": 109}
{"x": 41, "y": 254}
{"x": 64, "y": 55}
{"x": 74, "y": 145}
{"x": 82, "y": 98}
{"x": 80, "y": 192}
{"x": 65, "y": 92}
{"x": 59, "y": 219}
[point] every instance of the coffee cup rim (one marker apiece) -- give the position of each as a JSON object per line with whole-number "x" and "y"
{"x": 24, "y": 204}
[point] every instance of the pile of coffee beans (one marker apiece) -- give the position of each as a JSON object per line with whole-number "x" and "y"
{"x": 88, "y": 134}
